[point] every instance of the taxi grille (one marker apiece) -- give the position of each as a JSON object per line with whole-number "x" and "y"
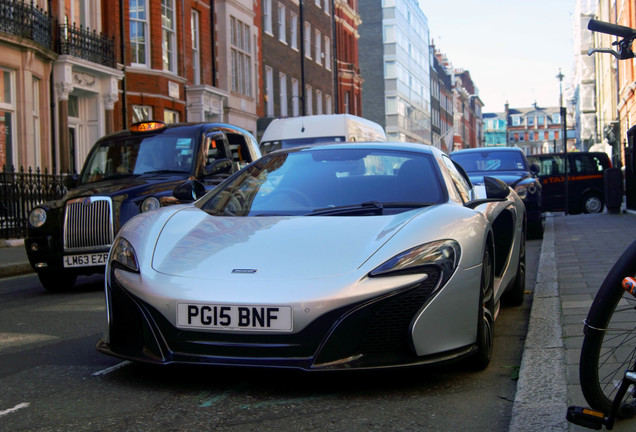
{"x": 88, "y": 223}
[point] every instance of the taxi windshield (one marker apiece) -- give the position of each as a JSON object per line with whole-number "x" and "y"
{"x": 138, "y": 155}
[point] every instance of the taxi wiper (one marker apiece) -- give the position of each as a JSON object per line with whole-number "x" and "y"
{"x": 368, "y": 207}
{"x": 163, "y": 171}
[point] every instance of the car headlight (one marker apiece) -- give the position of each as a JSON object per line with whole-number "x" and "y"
{"x": 523, "y": 190}
{"x": 123, "y": 253}
{"x": 37, "y": 217}
{"x": 443, "y": 254}
{"x": 150, "y": 203}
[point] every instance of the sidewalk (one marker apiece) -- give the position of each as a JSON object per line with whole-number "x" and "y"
{"x": 13, "y": 258}
{"x": 576, "y": 254}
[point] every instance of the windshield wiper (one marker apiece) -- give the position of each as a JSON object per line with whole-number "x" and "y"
{"x": 372, "y": 207}
{"x": 164, "y": 171}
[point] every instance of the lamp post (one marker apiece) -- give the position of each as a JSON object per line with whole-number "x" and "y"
{"x": 563, "y": 113}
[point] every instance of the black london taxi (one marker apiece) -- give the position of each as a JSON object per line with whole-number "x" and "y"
{"x": 586, "y": 190}
{"x": 150, "y": 165}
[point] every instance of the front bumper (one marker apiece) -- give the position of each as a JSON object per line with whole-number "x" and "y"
{"x": 368, "y": 334}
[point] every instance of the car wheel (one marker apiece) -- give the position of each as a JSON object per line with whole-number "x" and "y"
{"x": 592, "y": 203}
{"x": 515, "y": 295}
{"x": 486, "y": 319}
{"x": 56, "y": 280}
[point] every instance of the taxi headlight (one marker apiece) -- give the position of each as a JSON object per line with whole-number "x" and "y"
{"x": 123, "y": 253}
{"x": 37, "y": 217}
{"x": 150, "y": 203}
{"x": 443, "y": 254}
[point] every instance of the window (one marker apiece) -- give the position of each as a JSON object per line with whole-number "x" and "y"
{"x": 168, "y": 38}
{"x": 516, "y": 120}
{"x": 240, "y": 57}
{"x": 281, "y": 23}
{"x": 36, "y": 122}
{"x": 327, "y": 53}
{"x": 328, "y": 104}
{"x": 138, "y": 32}
{"x": 267, "y": 16}
{"x": 556, "y": 118}
{"x": 530, "y": 121}
{"x": 309, "y": 102}
{"x": 170, "y": 116}
{"x": 196, "y": 53}
{"x": 282, "y": 78}
{"x": 318, "y": 102}
{"x": 540, "y": 120}
{"x": 347, "y": 102}
{"x": 269, "y": 91}
{"x": 295, "y": 98}
{"x": 141, "y": 113}
{"x": 307, "y": 40}
{"x": 293, "y": 23}
{"x": 318, "y": 46}
{"x": 326, "y": 6}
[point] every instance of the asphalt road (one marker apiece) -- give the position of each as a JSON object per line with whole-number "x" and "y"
{"x": 53, "y": 379}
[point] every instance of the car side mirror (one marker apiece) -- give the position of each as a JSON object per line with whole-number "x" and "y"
{"x": 534, "y": 169}
{"x": 220, "y": 166}
{"x": 190, "y": 190}
{"x": 496, "y": 190}
{"x": 70, "y": 181}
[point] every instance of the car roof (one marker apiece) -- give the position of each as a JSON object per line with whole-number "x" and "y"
{"x": 371, "y": 145}
{"x": 489, "y": 149}
{"x": 187, "y": 128}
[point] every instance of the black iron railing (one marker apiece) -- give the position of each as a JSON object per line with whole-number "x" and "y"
{"x": 83, "y": 43}
{"x": 26, "y": 20}
{"x": 20, "y": 192}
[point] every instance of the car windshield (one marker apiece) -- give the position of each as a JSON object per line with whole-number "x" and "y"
{"x": 137, "y": 155}
{"x": 490, "y": 161}
{"x": 329, "y": 182}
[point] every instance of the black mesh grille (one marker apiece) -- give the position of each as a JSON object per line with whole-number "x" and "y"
{"x": 388, "y": 330}
{"x": 126, "y": 330}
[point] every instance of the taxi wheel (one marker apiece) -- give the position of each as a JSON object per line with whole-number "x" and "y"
{"x": 592, "y": 203}
{"x": 56, "y": 280}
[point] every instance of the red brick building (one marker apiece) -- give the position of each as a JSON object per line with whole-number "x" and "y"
{"x": 349, "y": 80}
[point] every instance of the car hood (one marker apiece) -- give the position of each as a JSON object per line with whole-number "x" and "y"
{"x": 194, "y": 244}
{"x": 136, "y": 185}
{"x": 512, "y": 178}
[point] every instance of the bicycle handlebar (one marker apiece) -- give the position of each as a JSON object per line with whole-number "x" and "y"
{"x": 613, "y": 29}
{"x": 627, "y": 34}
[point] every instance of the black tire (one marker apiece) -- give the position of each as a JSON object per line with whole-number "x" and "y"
{"x": 609, "y": 348}
{"x": 516, "y": 294}
{"x": 592, "y": 203}
{"x": 486, "y": 318}
{"x": 57, "y": 280}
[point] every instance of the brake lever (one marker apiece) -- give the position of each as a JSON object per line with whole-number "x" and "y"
{"x": 623, "y": 54}
{"x": 605, "y": 51}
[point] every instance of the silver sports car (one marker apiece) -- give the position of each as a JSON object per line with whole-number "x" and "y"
{"x": 334, "y": 256}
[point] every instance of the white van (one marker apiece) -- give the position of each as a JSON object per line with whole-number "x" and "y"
{"x": 295, "y": 131}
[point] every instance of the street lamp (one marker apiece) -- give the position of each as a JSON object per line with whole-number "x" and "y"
{"x": 563, "y": 113}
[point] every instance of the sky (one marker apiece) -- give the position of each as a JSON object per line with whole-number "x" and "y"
{"x": 513, "y": 49}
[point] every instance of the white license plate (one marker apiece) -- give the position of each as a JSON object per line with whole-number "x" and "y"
{"x": 234, "y": 317}
{"x": 85, "y": 260}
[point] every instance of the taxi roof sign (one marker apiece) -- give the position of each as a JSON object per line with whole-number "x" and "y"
{"x": 147, "y": 126}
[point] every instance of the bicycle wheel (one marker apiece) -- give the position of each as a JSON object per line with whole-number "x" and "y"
{"x": 609, "y": 346}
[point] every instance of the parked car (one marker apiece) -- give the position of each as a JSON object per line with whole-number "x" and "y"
{"x": 510, "y": 165}
{"x": 322, "y": 257}
{"x": 586, "y": 192}
{"x": 127, "y": 173}
{"x": 289, "y": 132}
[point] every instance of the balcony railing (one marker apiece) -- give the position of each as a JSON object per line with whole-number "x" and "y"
{"x": 26, "y": 20}
{"x": 83, "y": 43}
